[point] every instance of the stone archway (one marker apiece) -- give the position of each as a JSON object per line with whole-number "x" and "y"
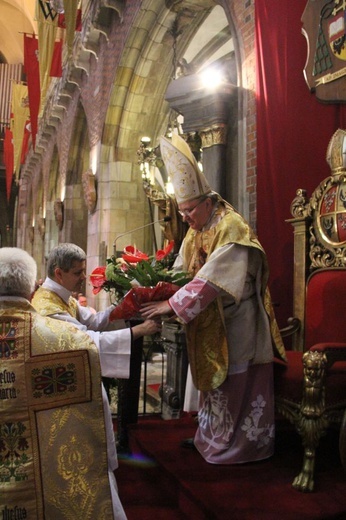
{"x": 138, "y": 107}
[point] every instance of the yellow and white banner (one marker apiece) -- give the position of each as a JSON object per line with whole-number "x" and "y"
{"x": 20, "y": 115}
{"x": 47, "y": 25}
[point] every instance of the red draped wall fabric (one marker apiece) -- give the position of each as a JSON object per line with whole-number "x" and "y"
{"x": 293, "y": 132}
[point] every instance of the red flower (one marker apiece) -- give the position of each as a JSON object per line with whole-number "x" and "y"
{"x": 98, "y": 278}
{"x": 162, "y": 253}
{"x": 132, "y": 255}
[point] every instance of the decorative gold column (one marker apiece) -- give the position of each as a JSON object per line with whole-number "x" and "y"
{"x": 217, "y": 134}
{"x": 300, "y": 224}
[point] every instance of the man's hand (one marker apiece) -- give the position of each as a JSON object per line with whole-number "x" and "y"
{"x": 146, "y": 328}
{"x": 152, "y": 309}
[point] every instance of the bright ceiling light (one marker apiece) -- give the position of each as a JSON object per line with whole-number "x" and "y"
{"x": 211, "y": 77}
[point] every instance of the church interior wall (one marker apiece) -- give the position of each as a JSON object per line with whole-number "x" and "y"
{"x": 112, "y": 96}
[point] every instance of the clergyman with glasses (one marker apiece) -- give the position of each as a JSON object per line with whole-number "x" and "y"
{"x": 231, "y": 330}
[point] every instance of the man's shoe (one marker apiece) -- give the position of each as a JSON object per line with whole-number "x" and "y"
{"x": 188, "y": 443}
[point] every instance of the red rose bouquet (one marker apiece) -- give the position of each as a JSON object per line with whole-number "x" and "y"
{"x": 136, "y": 278}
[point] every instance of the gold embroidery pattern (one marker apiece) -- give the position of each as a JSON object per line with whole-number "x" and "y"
{"x": 77, "y": 484}
{"x": 48, "y": 302}
{"x": 207, "y": 345}
{"x": 7, "y": 340}
{"x": 54, "y": 379}
{"x": 207, "y": 349}
{"x": 14, "y": 458}
{"x": 73, "y": 465}
{"x": 38, "y": 456}
{"x": 53, "y": 384}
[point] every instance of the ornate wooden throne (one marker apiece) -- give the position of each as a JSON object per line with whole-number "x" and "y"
{"x": 311, "y": 388}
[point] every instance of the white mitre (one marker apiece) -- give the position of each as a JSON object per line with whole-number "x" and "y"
{"x": 188, "y": 181}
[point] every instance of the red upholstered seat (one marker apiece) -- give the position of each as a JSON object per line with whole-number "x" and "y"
{"x": 325, "y": 322}
{"x": 325, "y": 313}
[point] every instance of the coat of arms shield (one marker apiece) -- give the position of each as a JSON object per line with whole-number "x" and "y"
{"x": 324, "y": 27}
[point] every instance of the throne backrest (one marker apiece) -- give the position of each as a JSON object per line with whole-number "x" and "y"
{"x": 320, "y": 253}
{"x": 325, "y": 313}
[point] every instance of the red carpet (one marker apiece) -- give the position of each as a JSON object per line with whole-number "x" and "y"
{"x": 162, "y": 480}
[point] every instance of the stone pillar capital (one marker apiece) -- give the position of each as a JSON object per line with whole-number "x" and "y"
{"x": 203, "y": 109}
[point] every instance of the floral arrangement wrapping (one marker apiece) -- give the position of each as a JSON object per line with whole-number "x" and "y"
{"x": 136, "y": 278}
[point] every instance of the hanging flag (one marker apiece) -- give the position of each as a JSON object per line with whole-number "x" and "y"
{"x": 70, "y": 8}
{"x": 62, "y": 21}
{"x": 47, "y": 23}
{"x": 56, "y": 66}
{"x": 8, "y": 161}
{"x": 31, "y": 68}
{"x": 46, "y": 11}
{"x": 20, "y": 111}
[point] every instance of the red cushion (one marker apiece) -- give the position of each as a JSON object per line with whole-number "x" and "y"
{"x": 327, "y": 346}
{"x": 324, "y": 324}
{"x": 325, "y": 297}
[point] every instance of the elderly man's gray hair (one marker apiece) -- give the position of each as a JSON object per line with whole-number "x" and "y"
{"x": 18, "y": 271}
{"x": 64, "y": 256}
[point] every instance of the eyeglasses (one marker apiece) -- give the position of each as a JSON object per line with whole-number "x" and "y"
{"x": 187, "y": 212}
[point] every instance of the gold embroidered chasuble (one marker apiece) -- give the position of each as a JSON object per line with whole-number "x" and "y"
{"x": 53, "y": 456}
{"x": 206, "y": 334}
{"x": 48, "y": 302}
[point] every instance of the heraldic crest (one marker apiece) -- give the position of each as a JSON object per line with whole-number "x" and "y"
{"x": 324, "y": 26}
{"x": 326, "y": 209}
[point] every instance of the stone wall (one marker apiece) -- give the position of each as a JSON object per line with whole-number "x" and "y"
{"x": 111, "y": 94}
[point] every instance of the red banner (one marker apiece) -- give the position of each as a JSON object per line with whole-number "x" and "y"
{"x": 56, "y": 66}
{"x": 62, "y": 21}
{"x": 31, "y": 68}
